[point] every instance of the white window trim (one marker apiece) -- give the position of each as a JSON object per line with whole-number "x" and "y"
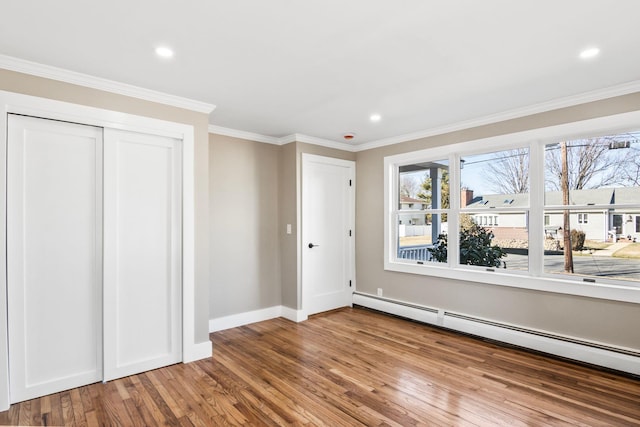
{"x": 535, "y": 138}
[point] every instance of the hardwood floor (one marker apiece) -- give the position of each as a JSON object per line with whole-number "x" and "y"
{"x": 345, "y": 368}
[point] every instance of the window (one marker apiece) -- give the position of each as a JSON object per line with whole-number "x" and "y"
{"x": 598, "y": 176}
{"x": 497, "y": 181}
{"x": 521, "y": 202}
{"x": 427, "y": 182}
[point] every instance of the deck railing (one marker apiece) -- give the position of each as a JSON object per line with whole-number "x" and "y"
{"x": 417, "y": 252}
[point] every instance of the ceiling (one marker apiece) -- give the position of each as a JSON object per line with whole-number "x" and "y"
{"x": 321, "y": 67}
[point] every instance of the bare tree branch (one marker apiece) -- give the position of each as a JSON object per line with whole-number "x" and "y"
{"x": 409, "y": 186}
{"x": 591, "y": 164}
{"x": 631, "y": 172}
{"x": 508, "y": 172}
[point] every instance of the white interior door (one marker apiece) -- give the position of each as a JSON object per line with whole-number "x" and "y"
{"x": 54, "y": 256}
{"x": 327, "y": 233}
{"x": 142, "y": 253}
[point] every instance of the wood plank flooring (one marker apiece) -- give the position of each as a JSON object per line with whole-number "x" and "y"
{"x": 346, "y": 368}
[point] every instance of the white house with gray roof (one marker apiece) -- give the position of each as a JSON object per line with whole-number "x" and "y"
{"x": 603, "y": 213}
{"x": 411, "y": 204}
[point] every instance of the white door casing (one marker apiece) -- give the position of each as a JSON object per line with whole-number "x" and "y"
{"x": 328, "y": 218}
{"x": 54, "y": 256}
{"x": 142, "y": 253}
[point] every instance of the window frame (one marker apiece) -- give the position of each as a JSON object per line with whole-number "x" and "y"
{"x": 535, "y": 278}
{"x": 583, "y": 218}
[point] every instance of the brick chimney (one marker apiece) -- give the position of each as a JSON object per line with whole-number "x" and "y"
{"x": 466, "y": 196}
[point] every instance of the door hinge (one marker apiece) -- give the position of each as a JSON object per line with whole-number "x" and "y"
{"x": 349, "y": 283}
{"x": 349, "y": 233}
{"x": 349, "y": 183}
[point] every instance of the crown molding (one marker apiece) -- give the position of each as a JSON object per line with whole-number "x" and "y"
{"x": 27, "y": 67}
{"x": 287, "y": 139}
{"x": 295, "y": 137}
{"x": 569, "y": 101}
{"x": 235, "y": 133}
{"x": 324, "y": 142}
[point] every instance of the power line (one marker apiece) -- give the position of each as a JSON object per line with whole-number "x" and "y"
{"x": 551, "y": 147}
{"x": 466, "y": 163}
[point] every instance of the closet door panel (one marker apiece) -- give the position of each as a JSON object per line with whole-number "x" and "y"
{"x": 142, "y": 286}
{"x": 54, "y": 244}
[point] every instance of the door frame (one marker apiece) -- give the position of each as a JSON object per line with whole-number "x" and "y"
{"x": 351, "y": 165}
{"x": 57, "y": 110}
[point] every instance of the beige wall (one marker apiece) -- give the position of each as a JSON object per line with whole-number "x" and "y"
{"x": 254, "y": 194}
{"x": 287, "y": 184}
{"x": 244, "y": 226}
{"x": 60, "y": 91}
{"x": 587, "y": 318}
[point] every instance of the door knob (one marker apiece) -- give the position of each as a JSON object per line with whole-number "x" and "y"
{"x": 311, "y": 245}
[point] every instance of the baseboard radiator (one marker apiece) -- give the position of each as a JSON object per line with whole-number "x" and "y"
{"x": 612, "y": 357}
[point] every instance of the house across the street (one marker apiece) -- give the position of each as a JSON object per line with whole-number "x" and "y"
{"x": 412, "y": 218}
{"x": 604, "y": 214}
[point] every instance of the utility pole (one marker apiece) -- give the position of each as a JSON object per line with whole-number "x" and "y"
{"x": 564, "y": 183}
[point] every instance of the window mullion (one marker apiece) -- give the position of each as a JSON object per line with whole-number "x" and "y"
{"x": 453, "y": 239}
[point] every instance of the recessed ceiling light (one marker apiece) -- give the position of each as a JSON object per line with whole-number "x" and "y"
{"x": 591, "y": 52}
{"x": 375, "y": 117}
{"x": 164, "y": 52}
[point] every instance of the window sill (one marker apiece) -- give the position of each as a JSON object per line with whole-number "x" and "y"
{"x": 606, "y": 291}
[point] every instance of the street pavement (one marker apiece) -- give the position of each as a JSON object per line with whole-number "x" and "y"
{"x": 589, "y": 265}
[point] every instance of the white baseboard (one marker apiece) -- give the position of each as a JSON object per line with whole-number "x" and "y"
{"x": 293, "y": 315}
{"x": 241, "y": 319}
{"x": 198, "y": 351}
{"x": 618, "y": 358}
{"x": 399, "y": 308}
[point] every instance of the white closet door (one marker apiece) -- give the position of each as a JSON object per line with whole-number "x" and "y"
{"x": 54, "y": 244}
{"x": 142, "y": 253}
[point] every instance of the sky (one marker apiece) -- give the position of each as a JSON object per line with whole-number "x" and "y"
{"x": 473, "y": 176}
{"x": 475, "y": 170}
